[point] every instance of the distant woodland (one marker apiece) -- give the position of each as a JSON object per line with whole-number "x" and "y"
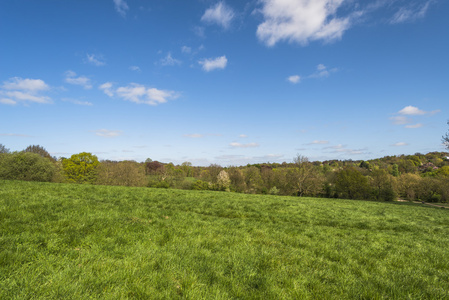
{"x": 418, "y": 177}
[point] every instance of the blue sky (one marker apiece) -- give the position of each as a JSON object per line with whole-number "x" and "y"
{"x": 227, "y": 82}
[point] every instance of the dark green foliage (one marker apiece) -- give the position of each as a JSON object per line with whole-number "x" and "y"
{"x": 200, "y": 185}
{"x": 26, "y": 166}
{"x": 351, "y": 184}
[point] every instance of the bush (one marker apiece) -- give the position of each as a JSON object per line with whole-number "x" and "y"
{"x": 26, "y": 166}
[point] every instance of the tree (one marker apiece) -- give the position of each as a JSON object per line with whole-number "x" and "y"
{"x": 223, "y": 181}
{"x": 39, "y": 150}
{"x": 81, "y": 167}
{"x": 304, "y": 176}
{"x": 351, "y": 184}
{"x": 3, "y": 149}
{"x": 382, "y": 185}
{"x": 127, "y": 173}
{"x": 26, "y": 166}
{"x": 445, "y": 138}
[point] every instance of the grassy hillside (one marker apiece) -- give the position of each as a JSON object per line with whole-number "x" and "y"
{"x": 80, "y": 241}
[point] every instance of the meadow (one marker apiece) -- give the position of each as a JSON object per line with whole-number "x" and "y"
{"x": 73, "y": 241}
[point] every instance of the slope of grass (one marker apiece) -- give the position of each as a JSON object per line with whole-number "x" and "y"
{"x": 80, "y": 241}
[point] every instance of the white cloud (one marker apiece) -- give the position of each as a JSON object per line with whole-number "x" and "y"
{"x": 418, "y": 125}
{"x": 210, "y": 64}
{"x": 169, "y": 60}
{"x": 239, "y": 145}
{"x": 108, "y": 133}
{"x": 199, "y": 31}
{"x": 408, "y": 113}
{"x": 411, "y": 13}
{"x": 220, "y": 14}
{"x": 7, "y": 101}
{"x": 294, "y": 79}
{"x": 400, "y": 120}
{"x": 194, "y": 135}
{"x": 322, "y": 71}
{"x": 400, "y": 144}
{"x": 121, "y": 7}
{"x": 32, "y": 85}
{"x": 243, "y": 136}
{"x": 134, "y": 68}
{"x": 15, "y": 134}
{"x": 17, "y": 89}
{"x": 316, "y": 142}
{"x": 107, "y": 88}
{"x": 411, "y": 110}
{"x": 301, "y": 21}
{"x": 141, "y": 94}
{"x": 81, "y": 80}
{"x": 95, "y": 60}
{"x": 77, "y": 102}
{"x": 185, "y": 49}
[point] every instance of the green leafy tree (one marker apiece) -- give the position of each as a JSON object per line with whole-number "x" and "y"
{"x": 382, "y": 184}
{"x": 351, "y": 184}
{"x": 26, "y": 166}
{"x": 81, "y": 168}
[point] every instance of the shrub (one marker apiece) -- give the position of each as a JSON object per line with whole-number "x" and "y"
{"x": 26, "y": 166}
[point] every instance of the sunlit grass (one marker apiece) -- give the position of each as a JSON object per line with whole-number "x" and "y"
{"x": 81, "y": 241}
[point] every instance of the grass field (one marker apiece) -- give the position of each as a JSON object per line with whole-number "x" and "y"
{"x": 61, "y": 241}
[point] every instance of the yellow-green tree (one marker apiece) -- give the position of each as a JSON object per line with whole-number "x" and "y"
{"x": 81, "y": 167}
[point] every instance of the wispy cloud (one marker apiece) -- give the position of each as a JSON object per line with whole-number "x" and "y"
{"x": 70, "y": 77}
{"x": 220, "y": 14}
{"x": 200, "y": 135}
{"x": 77, "y": 102}
{"x": 140, "y": 94}
{"x": 399, "y": 144}
{"x": 135, "y": 68}
{"x": 342, "y": 149}
{"x": 95, "y": 60}
{"x": 17, "y": 90}
{"x": 121, "y": 7}
{"x": 169, "y": 60}
{"x": 185, "y": 49}
{"x": 316, "y": 142}
{"x": 15, "y": 134}
{"x": 107, "y": 133}
{"x": 418, "y": 125}
{"x": 210, "y": 64}
{"x": 243, "y": 136}
{"x": 410, "y": 13}
{"x": 322, "y": 71}
{"x": 194, "y": 135}
{"x": 107, "y": 88}
{"x": 239, "y": 145}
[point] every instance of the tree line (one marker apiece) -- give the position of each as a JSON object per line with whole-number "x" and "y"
{"x": 423, "y": 177}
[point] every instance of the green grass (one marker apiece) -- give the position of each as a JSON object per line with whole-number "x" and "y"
{"x": 61, "y": 241}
